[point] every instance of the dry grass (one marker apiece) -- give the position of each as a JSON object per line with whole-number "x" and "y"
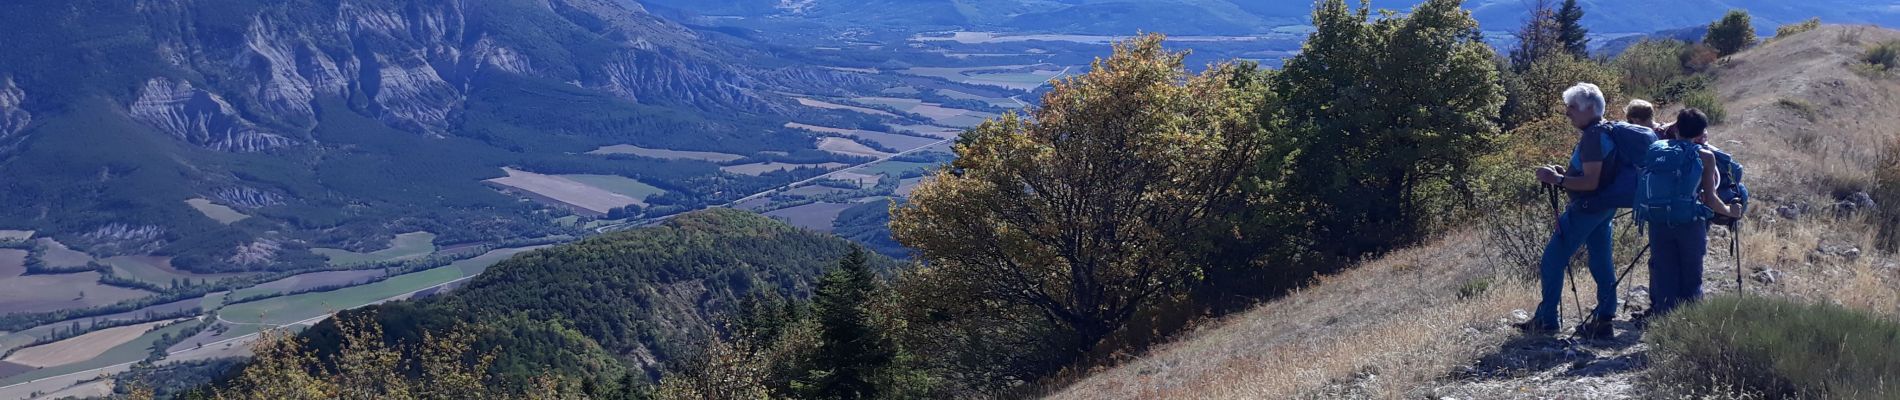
{"x": 564, "y": 191}
{"x": 1380, "y": 330}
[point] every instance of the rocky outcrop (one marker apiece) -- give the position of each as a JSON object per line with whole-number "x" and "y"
{"x": 122, "y": 239}
{"x": 199, "y": 117}
{"x": 255, "y": 253}
{"x": 13, "y": 119}
{"x": 246, "y": 197}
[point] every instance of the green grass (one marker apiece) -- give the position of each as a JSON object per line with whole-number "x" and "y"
{"x": 288, "y": 309}
{"x": 224, "y": 215}
{"x": 135, "y": 350}
{"x": 148, "y": 269}
{"x": 1802, "y": 107}
{"x": 404, "y": 246}
{"x": 619, "y": 184}
{"x": 1776, "y": 348}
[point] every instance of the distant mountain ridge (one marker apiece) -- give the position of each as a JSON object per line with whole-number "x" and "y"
{"x": 361, "y": 118}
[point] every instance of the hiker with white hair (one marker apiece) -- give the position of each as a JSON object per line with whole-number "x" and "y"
{"x": 1600, "y": 179}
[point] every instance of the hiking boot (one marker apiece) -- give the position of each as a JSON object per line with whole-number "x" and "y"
{"x": 1532, "y": 328}
{"x": 1596, "y": 330}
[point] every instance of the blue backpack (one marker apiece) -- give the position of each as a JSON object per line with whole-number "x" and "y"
{"x": 1730, "y": 189}
{"x": 1622, "y": 167}
{"x": 1669, "y": 185}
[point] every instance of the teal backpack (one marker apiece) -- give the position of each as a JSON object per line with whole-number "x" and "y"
{"x": 1666, "y": 192}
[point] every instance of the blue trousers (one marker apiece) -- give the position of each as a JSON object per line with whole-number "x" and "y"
{"x": 1576, "y": 229}
{"x": 1675, "y": 267}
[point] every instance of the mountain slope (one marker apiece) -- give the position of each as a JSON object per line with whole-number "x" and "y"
{"x": 1432, "y": 321}
{"x": 341, "y": 122}
{"x": 643, "y": 297}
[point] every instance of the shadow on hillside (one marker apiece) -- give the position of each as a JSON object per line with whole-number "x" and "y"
{"x": 1563, "y": 355}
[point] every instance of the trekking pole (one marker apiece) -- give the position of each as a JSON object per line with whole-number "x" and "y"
{"x": 1735, "y": 250}
{"x": 1556, "y": 224}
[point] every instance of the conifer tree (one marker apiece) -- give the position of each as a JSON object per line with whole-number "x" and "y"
{"x": 1729, "y": 35}
{"x": 852, "y": 349}
{"x": 1570, "y": 30}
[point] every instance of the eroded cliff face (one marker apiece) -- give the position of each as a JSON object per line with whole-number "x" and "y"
{"x": 13, "y": 119}
{"x": 412, "y": 63}
{"x": 199, "y": 117}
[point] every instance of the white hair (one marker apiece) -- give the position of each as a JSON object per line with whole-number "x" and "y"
{"x": 1586, "y": 96}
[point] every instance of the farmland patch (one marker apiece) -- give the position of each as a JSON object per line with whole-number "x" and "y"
{"x": 625, "y": 186}
{"x": 835, "y": 106}
{"x": 49, "y": 292}
{"x": 891, "y": 140}
{"x": 79, "y": 348}
{"x": 848, "y": 147}
{"x": 814, "y": 216}
{"x": 56, "y": 254}
{"x": 666, "y": 154}
{"x": 302, "y": 282}
{"x": 293, "y": 308}
{"x": 7, "y": 234}
{"x": 559, "y": 191}
{"x": 158, "y": 270}
{"x": 404, "y": 246}
{"x": 221, "y": 213}
{"x": 756, "y": 169}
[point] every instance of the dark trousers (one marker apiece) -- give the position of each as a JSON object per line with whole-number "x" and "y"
{"x": 1675, "y": 265}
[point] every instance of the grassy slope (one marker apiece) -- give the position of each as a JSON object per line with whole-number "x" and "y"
{"x": 1397, "y": 327}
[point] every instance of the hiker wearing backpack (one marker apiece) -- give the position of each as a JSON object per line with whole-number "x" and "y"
{"x": 1641, "y": 113}
{"x": 1600, "y": 179}
{"x": 1678, "y": 198}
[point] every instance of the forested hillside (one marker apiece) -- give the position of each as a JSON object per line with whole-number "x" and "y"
{"x": 1370, "y": 202}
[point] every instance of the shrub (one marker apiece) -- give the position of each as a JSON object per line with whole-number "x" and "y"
{"x": 1884, "y": 56}
{"x": 1802, "y": 107}
{"x": 1650, "y": 65}
{"x": 1731, "y": 34}
{"x": 1887, "y": 193}
{"x": 1709, "y": 103}
{"x": 1775, "y": 348}
{"x": 1797, "y": 28}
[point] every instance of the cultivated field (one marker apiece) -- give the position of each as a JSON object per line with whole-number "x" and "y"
{"x": 863, "y": 180}
{"x": 130, "y": 351}
{"x": 814, "y": 216}
{"x": 79, "y": 348}
{"x": 581, "y": 197}
{"x": 219, "y": 212}
{"x": 835, "y": 106}
{"x": 15, "y": 235}
{"x": 756, "y": 169}
{"x": 1017, "y": 77}
{"x": 994, "y": 37}
{"x": 936, "y": 112}
{"x": 293, "y": 308}
{"x": 906, "y": 186}
{"x": 625, "y": 186}
{"x": 848, "y": 147}
{"x": 13, "y": 340}
{"x": 929, "y": 130}
{"x": 666, "y": 154}
{"x": 157, "y": 270}
{"x": 403, "y": 247}
{"x": 811, "y": 190}
{"x": 56, "y": 254}
{"x": 894, "y": 168}
{"x": 891, "y": 140}
{"x": 41, "y": 293}
{"x": 994, "y": 101}
{"x": 308, "y": 281}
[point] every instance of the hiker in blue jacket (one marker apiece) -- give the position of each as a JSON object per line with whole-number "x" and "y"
{"x": 1594, "y": 201}
{"x": 1680, "y": 242}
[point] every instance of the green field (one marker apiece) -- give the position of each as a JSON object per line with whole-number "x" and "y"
{"x": 157, "y": 270}
{"x": 135, "y": 350}
{"x": 618, "y": 184}
{"x": 404, "y": 246}
{"x": 224, "y": 215}
{"x": 288, "y": 309}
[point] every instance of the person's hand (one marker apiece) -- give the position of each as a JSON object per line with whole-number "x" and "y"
{"x": 1548, "y": 175}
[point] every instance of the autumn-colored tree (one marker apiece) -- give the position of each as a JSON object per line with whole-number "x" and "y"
{"x": 442, "y": 367}
{"x": 1731, "y": 34}
{"x": 1388, "y": 117}
{"x": 1086, "y": 210}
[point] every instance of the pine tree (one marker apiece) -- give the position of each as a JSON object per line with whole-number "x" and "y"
{"x": 852, "y": 351}
{"x": 1540, "y": 37}
{"x": 1570, "y": 30}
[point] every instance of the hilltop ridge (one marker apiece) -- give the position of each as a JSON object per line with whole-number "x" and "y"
{"x": 1432, "y": 321}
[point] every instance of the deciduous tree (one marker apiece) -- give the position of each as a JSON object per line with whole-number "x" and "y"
{"x": 1086, "y": 210}
{"x": 1731, "y": 34}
